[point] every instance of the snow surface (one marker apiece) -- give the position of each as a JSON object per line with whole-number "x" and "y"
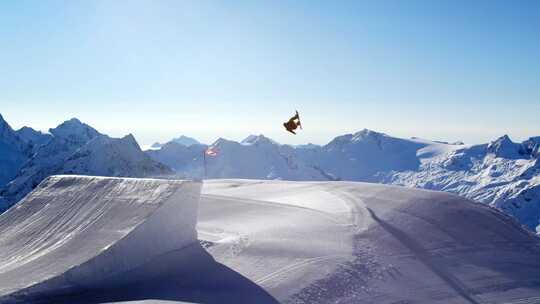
{"x": 74, "y": 232}
{"x": 299, "y": 242}
{"x": 502, "y": 173}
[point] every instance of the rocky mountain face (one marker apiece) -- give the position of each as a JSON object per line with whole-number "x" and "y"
{"x": 33, "y": 138}
{"x": 76, "y": 148}
{"x": 105, "y": 156}
{"x": 14, "y": 151}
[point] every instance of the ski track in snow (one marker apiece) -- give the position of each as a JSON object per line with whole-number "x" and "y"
{"x": 425, "y": 258}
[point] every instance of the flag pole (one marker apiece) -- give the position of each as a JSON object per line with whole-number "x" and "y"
{"x": 204, "y": 160}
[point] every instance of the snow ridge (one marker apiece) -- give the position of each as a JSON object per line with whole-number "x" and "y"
{"x": 182, "y": 139}
{"x": 78, "y": 232}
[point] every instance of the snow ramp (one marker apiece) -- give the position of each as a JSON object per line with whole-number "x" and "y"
{"x": 78, "y": 232}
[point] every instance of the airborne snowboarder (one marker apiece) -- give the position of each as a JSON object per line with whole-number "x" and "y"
{"x": 293, "y": 123}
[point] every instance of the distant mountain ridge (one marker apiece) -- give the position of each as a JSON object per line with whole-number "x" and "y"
{"x": 77, "y": 148}
{"x": 183, "y": 140}
{"x": 33, "y": 138}
{"x": 502, "y": 173}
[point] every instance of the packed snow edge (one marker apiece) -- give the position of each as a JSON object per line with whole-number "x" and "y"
{"x": 139, "y": 220}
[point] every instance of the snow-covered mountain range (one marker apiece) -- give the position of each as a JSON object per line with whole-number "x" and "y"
{"x": 182, "y": 139}
{"x": 501, "y": 173}
{"x": 71, "y": 148}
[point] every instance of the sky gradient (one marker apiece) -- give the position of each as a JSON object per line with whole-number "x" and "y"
{"x": 442, "y": 70}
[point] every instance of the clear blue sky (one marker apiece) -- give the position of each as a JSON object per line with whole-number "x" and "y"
{"x": 446, "y": 70}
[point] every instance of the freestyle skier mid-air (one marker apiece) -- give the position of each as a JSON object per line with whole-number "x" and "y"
{"x": 293, "y": 123}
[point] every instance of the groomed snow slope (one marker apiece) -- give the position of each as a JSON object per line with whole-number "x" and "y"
{"x": 346, "y": 242}
{"x": 75, "y": 232}
{"x": 336, "y": 242}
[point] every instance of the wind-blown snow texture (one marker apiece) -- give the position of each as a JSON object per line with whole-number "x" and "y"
{"x": 74, "y": 233}
{"x": 502, "y": 173}
{"x": 271, "y": 242}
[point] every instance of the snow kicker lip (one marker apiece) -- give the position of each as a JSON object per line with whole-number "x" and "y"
{"x": 79, "y": 232}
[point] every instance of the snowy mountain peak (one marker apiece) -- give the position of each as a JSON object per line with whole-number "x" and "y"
{"x": 182, "y": 140}
{"x": 74, "y": 130}
{"x": 6, "y": 132}
{"x": 186, "y": 140}
{"x": 368, "y": 136}
{"x": 76, "y": 148}
{"x": 27, "y": 132}
{"x": 30, "y": 135}
{"x": 257, "y": 140}
{"x": 504, "y": 147}
{"x": 13, "y": 152}
{"x": 3, "y": 123}
{"x": 340, "y": 140}
{"x": 364, "y": 137}
{"x": 223, "y": 141}
{"x": 532, "y": 146}
{"x": 113, "y": 157}
{"x": 130, "y": 139}
{"x": 366, "y": 133}
{"x": 359, "y": 136}
{"x": 505, "y": 139}
{"x": 72, "y": 121}
{"x": 251, "y": 138}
